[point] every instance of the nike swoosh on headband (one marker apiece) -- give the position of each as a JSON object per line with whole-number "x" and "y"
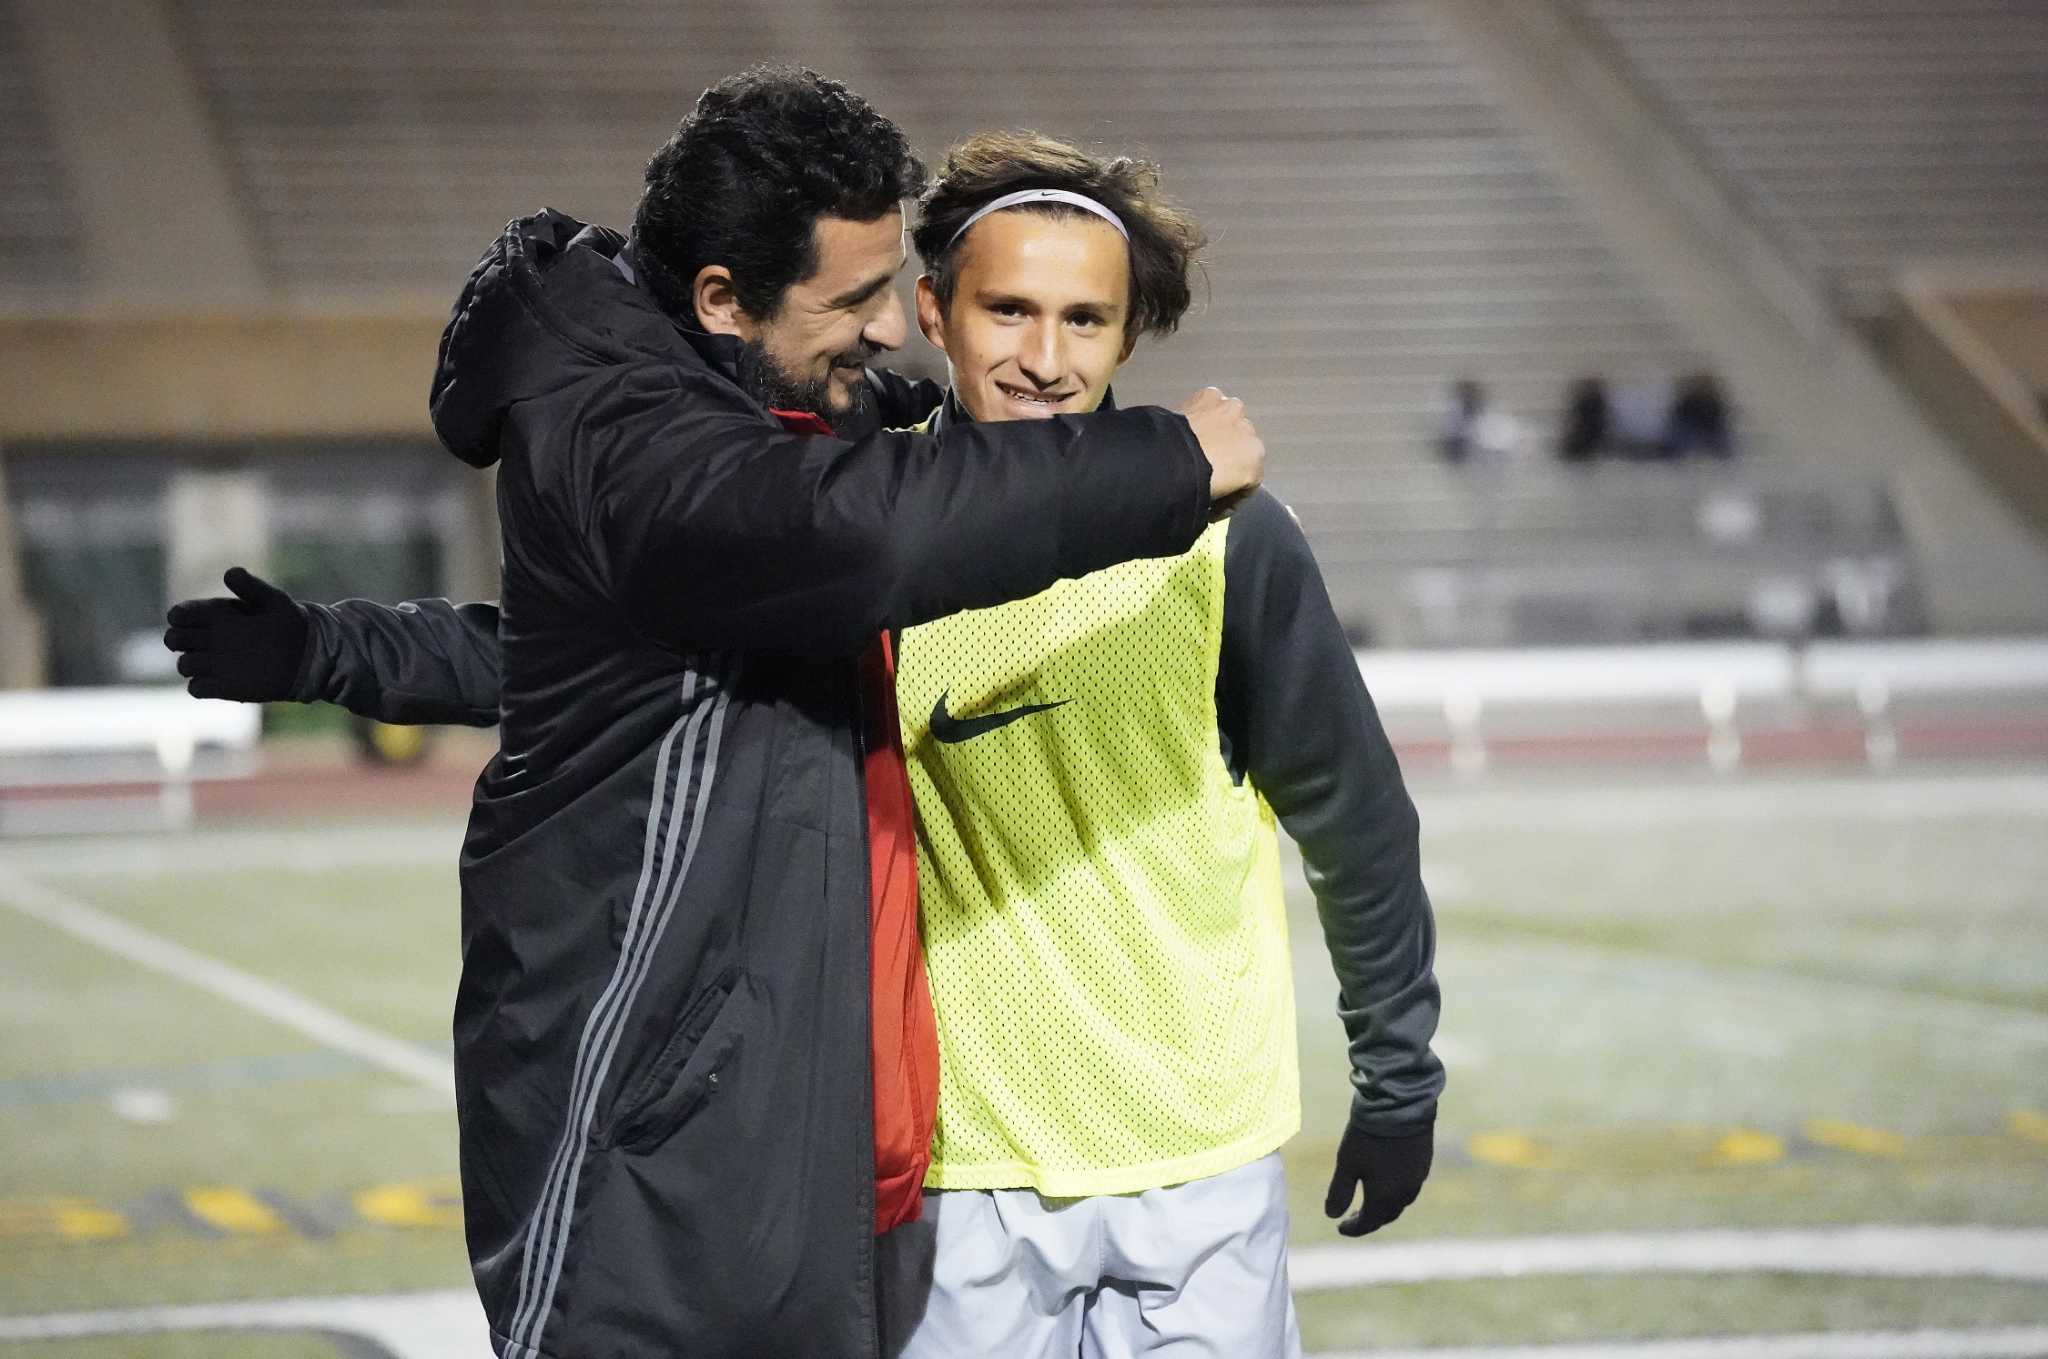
{"x": 1011, "y": 200}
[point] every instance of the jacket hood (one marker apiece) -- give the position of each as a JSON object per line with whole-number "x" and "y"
{"x": 544, "y": 307}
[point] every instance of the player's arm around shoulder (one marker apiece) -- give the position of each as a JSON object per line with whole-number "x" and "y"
{"x": 714, "y": 527}
{"x": 1302, "y": 727}
{"x": 708, "y": 524}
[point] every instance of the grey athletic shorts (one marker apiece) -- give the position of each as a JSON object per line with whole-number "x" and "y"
{"x": 1192, "y": 1271}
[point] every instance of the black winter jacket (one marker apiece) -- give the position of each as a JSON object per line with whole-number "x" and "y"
{"x": 661, "y": 1034}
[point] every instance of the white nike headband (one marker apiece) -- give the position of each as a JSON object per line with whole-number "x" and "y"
{"x": 1011, "y": 200}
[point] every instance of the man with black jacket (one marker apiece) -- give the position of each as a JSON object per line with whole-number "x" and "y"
{"x": 675, "y": 1040}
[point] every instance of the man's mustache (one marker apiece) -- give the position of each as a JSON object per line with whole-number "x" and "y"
{"x": 857, "y": 357}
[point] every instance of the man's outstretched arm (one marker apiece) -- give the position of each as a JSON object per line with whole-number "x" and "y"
{"x": 1301, "y": 725}
{"x": 425, "y": 660}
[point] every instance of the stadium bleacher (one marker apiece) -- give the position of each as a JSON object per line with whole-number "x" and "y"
{"x": 1872, "y": 133}
{"x": 38, "y": 228}
{"x": 1549, "y": 555}
{"x": 1382, "y": 229}
{"x": 1382, "y": 222}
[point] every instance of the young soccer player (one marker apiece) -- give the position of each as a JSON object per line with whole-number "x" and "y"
{"x": 1096, "y": 772}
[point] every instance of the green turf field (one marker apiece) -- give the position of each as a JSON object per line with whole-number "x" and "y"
{"x": 1668, "y": 1009}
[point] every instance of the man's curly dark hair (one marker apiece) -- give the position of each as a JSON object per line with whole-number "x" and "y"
{"x": 749, "y": 172}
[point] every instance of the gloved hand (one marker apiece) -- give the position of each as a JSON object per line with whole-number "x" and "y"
{"x": 247, "y": 648}
{"x": 1391, "y": 1169}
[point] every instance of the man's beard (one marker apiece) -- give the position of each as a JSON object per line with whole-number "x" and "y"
{"x": 775, "y": 387}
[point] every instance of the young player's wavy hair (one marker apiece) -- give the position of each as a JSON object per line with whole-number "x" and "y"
{"x": 1166, "y": 243}
{"x": 749, "y": 172}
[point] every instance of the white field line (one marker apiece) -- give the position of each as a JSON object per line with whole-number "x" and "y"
{"x": 2005, "y": 1342}
{"x": 449, "y": 1325}
{"x": 441, "y": 1325}
{"x": 1622, "y": 805}
{"x": 2016, "y": 1254}
{"x": 60, "y": 911}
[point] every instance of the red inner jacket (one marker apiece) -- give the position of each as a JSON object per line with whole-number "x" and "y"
{"x": 904, "y": 1038}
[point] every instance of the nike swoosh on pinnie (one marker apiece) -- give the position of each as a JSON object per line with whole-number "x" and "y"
{"x": 953, "y": 730}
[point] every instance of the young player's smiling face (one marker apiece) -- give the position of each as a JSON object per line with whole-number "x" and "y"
{"x": 1036, "y": 325}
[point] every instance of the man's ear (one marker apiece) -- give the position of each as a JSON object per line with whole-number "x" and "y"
{"x": 931, "y": 317}
{"x": 1130, "y": 347}
{"x": 717, "y": 303}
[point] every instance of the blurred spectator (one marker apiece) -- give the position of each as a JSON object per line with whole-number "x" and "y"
{"x": 1473, "y": 432}
{"x": 1698, "y": 419}
{"x": 1583, "y": 434}
{"x": 1461, "y": 420}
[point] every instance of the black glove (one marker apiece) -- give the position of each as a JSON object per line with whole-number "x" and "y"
{"x": 247, "y": 648}
{"x": 1391, "y": 1169}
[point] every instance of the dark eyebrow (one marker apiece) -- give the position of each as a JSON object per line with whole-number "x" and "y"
{"x": 1104, "y": 311}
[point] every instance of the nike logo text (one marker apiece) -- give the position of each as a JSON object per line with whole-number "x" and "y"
{"x": 953, "y": 730}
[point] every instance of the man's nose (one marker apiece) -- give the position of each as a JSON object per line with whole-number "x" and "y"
{"x": 888, "y": 328}
{"x": 1042, "y": 356}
